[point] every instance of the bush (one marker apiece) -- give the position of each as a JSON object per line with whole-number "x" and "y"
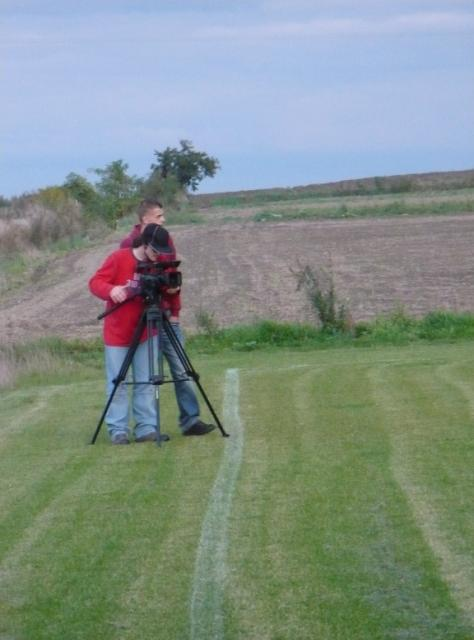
{"x": 400, "y": 328}
{"x": 446, "y": 325}
{"x": 395, "y": 328}
{"x": 332, "y": 315}
{"x": 36, "y": 221}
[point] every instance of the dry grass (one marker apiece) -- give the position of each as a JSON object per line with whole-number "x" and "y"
{"x": 34, "y": 222}
{"x": 15, "y": 363}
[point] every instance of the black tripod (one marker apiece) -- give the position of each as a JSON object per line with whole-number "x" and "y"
{"x": 155, "y": 322}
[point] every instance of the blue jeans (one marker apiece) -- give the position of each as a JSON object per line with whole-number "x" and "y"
{"x": 145, "y": 405}
{"x": 144, "y": 396}
{"x": 184, "y": 389}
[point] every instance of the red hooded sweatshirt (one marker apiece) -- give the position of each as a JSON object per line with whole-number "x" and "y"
{"x": 120, "y": 268}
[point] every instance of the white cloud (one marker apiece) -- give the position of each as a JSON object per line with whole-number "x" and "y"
{"x": 439, "y": 22}
{"x": 124, "y": 29}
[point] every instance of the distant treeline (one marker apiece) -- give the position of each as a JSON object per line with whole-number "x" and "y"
{"x": 436, "y": 181}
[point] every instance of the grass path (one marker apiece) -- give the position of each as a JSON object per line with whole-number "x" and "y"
{"x": 344, "y": 514}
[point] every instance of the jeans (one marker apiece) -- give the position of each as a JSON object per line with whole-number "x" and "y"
{"x": 144, "y": 396}
{"x": 184, "y": 389}
{"x": 145, "y": 405}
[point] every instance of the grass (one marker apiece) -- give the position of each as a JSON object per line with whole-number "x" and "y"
{"x": 30, "y": 265}
{"x": 342, "y": 546}
{"x": 351, "y": 516}
{"x": 342, "y": 211}
{"x": 396, "y": 328}
{"x": 323, "y": 194}
{"x": 58, "y": 358}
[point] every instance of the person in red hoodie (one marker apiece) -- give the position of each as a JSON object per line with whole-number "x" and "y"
{"x": 150, "y": 211}
{"x": 116, "y": 281}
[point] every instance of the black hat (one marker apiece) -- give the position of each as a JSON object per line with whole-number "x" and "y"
{"x": 157, "y": 237}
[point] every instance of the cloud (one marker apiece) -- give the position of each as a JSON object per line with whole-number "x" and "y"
{"x": 183, "y": 27}
{"x": 439, "y": 22}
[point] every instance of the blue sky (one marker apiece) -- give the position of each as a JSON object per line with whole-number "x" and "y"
{"x": 282, "y": 92}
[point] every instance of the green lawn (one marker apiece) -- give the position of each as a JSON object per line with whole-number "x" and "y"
{"x": 339, "y": 508}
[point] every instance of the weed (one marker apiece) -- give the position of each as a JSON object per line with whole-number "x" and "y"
{"x": 206, "y": 322}
{"x": 319, "y": 288}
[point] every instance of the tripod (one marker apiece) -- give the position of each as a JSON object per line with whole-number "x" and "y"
{"x": 155, "y": 322}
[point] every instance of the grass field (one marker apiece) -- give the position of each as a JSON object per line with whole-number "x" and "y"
{"x": 339, "y": 509}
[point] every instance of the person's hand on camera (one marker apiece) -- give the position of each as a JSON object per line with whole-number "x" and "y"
{"x": 118, "y": 293}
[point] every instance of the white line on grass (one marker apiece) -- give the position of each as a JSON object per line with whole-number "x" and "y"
{"x": 207, "y": 619}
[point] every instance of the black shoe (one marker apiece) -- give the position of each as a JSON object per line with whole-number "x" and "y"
{"x": 120, "y": 438}
{"x": 199, "y": 428}
{"x": 151, "y": 437}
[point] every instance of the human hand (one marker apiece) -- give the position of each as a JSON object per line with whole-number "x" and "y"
{"x": 118, "y": 293}
{"x": 174, "y": 319}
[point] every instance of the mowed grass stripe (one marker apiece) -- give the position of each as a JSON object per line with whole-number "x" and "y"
{"x": 43, "y": 454}
{"x": 428, "y": 414}
{"x": 207, "y": 615}
{"x": 105, "y": 545}
{"x": 22, "y": 409}
{"x": 324, "y": 542}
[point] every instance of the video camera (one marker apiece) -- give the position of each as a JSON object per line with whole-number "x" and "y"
{"x": 154, "y": 276}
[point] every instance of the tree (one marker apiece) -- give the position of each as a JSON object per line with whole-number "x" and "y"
{"x": 115, "y": 182}
{"x": 119, "y": 192}
{"x": 186, "y": 166}
{"x": 81, "y": 190}
{"x": 167, "y": 190}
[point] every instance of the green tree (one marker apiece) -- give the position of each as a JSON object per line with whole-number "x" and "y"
{"x": 167, "y": 190}
{"x": 83, "y": 191}
{"x": 119, "y": 193}
{"x": 115, "y": 181}
{"x": 186, "y": 166}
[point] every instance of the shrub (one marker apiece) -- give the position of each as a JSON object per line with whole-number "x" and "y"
{"x": 206, "y": 322}
{"x": 36, "y": 221}
{"x": 397, "y": 327}
{"x": 331, "y": 314}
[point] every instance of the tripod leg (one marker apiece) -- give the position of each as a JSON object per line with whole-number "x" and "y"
{"x": 190, "y": 371}
{"x": 104, "y": 413}
{"x": 146, "y": 381}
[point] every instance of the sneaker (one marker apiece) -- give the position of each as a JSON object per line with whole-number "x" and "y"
{"x": 199, "y": 428}
{"x": 151, "y": 437}
{"x": 120, "y": 438}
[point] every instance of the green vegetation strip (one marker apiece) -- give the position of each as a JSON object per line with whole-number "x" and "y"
{"x": 351, "y": 515}
{"x": 395, "y": 208}
{"x": 396, "y": 328}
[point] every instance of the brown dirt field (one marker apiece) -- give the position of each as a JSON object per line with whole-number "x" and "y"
{"x": 241, "y": 272}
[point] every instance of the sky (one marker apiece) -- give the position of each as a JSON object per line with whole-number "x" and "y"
{"x": 281, "y": 92}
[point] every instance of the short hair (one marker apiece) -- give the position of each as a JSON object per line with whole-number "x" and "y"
{"x": 147, "y": 204}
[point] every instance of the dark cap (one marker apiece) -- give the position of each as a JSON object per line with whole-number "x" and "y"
{"x": 157, "y": 237}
